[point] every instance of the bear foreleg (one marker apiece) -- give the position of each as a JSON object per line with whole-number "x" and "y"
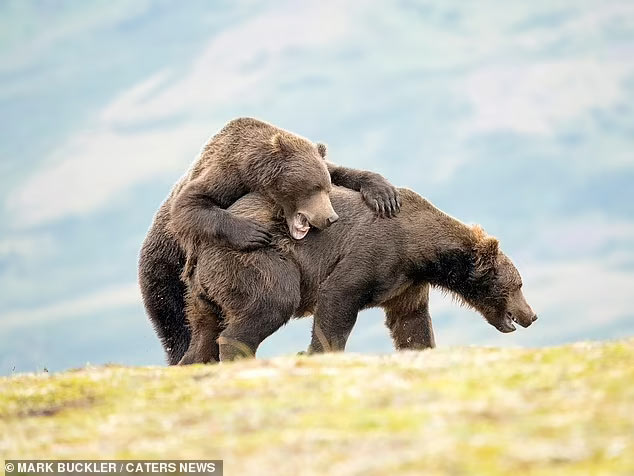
{"x": 409, "y": 321}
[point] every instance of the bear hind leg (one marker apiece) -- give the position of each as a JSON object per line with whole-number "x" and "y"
{"x": 242, "y": 336}
{"x": 205, "y": 320}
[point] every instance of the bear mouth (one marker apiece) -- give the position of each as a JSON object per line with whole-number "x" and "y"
{"x": 299, "y": 226}
{"x": 506, "y": 325}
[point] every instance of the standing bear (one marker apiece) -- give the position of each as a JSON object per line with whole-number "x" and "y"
{"x": 247, "y": 155}
{"x": 235, "y": 299}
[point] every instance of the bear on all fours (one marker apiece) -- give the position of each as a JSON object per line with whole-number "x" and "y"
{"x": 236, "y": 299}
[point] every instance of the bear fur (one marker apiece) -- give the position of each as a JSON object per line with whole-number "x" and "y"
{"x": 236, "y": 299}
{"x": 247, "y": 155}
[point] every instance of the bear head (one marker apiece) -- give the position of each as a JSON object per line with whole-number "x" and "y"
{"x": 496, "y": 287}
{"x": 301, "y": 184}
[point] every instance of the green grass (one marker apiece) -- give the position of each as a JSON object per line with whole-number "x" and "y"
{"x": 564, "y": 410}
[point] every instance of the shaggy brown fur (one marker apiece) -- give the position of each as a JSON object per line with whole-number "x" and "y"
{"x": 247, "y": 155}
{"x": 238, "y": 299}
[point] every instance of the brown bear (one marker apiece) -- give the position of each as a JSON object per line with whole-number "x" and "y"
{"x": 247, "y": 155}
{"x": 237, "y": 299}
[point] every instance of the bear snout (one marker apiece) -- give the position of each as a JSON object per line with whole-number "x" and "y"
{"x": 331, "y": 219}
{"x": 523, "y": 320}
{"x": 318, "y": 210}
{"x": 518, "y": 310}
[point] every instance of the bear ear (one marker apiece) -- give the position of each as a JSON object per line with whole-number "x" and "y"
{"x": 281, "y": 144}
{"x": 488, "y": 247}
{"x": 322, "y": 149}
{"x": 486, "y": 250}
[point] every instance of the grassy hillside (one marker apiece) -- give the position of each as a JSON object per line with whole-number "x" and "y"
{"x": 566, "y": 410}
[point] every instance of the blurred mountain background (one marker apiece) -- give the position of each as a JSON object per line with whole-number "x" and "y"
{"x": 518, "y": 116}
